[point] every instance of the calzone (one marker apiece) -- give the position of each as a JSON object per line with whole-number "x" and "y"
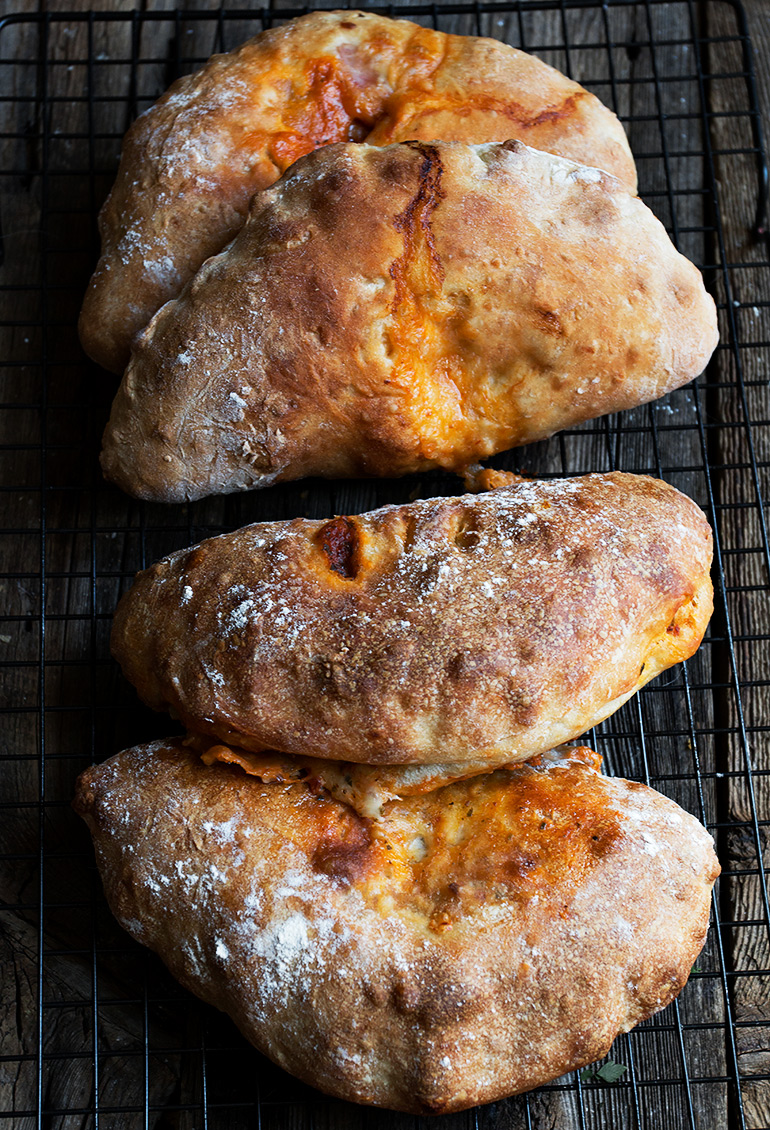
{"x": 476, "y": 942}
{"x": 389, "y": 310}
{"x": 192, "y": 162}
{"x": 484, "y": 628}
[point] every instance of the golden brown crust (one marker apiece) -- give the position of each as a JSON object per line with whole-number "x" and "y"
{"x": 191, "y": 164}
{"x": 445, "y": 958}
{"x": 388, "y": 310}
{"x": 485, "y": 627}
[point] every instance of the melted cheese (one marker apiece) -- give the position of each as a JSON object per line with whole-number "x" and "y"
{"x": 521, "y": 833}
{"x": 368, "y": 788}
{"x": 365, "y": 788}
{"x": 437, "y": 841}
{"x": 323, "y": 107}
{"x": 341, "y": 96}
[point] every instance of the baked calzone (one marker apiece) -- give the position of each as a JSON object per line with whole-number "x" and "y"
{"x": 192, "y": 162}
{"x": 477, "y": 941}
{"x": 482, "y": 628}
{"x": 389, "y": 310}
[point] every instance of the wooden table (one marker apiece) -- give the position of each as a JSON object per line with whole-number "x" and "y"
{"x": 90, "y": 995}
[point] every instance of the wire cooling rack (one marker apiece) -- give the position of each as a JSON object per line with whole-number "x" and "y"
{"x": 94, "y": 1031}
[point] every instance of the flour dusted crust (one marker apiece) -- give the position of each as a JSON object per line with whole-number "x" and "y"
{"x": 481, "y": 628}
{"x": 388, "y": 310}
{"x": 191, "y": 164}
{"x": 479, "y": 941}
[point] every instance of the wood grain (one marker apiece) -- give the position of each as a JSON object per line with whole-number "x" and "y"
{"x": 741, "y": 397}
{"x": 73, "y": 555}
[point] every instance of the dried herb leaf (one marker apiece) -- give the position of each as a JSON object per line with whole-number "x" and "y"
{"x": 609, "y": 1072}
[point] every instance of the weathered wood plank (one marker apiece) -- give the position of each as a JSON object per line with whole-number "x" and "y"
{"x": 742, "y": 491}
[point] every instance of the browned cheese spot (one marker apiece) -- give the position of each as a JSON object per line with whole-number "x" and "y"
{"x": 339, "y": 541}
{"x": 344, "y": 847}
{"x": 549, "y": 321}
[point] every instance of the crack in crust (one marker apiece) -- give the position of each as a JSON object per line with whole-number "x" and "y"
{"x": 420, "y": 312}
{"x": 416, "y": 109}
{"x": 339, "y": 540}
{"x": 415, "y": 225}
{"x": 558, "y": 114}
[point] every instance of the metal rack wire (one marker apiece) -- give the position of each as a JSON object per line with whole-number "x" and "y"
{"x": 94, "y": 1029}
